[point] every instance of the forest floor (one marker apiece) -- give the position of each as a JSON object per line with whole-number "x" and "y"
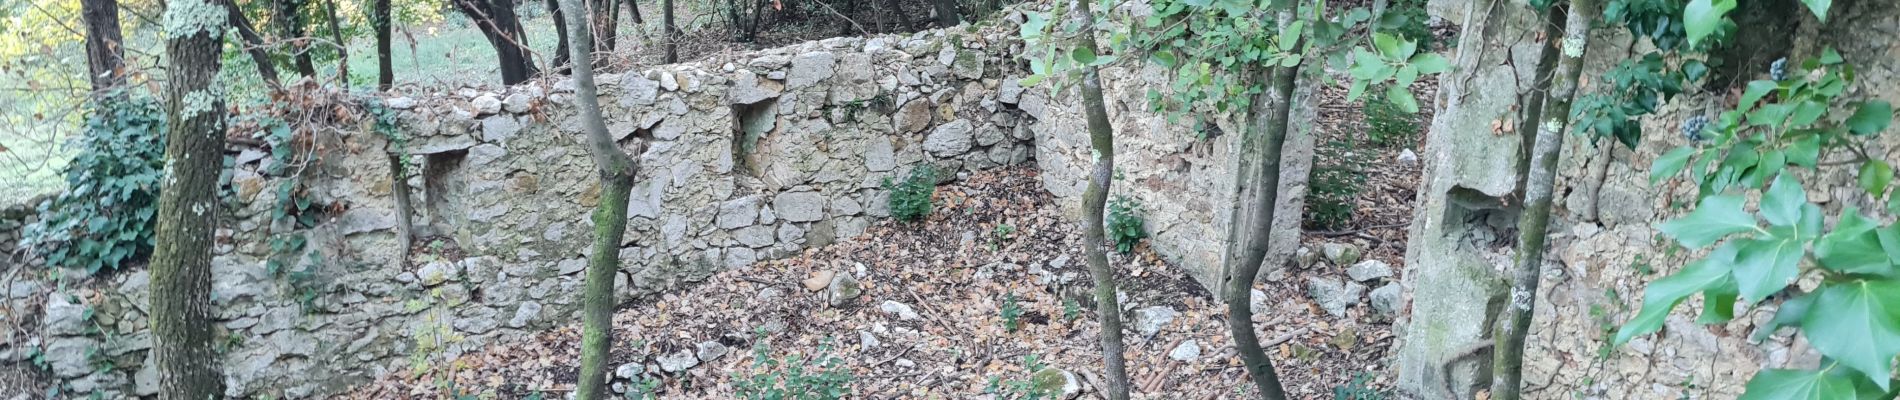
{"x": 958, "y": 288}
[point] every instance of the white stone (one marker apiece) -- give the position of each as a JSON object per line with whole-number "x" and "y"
{"x": 901, "y": 310}
{"x": 1187, "y": 351}
{"x": 950, "y": 140}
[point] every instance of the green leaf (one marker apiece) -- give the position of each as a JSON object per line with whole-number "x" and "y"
{"x": 1165, "y": 58}
{"x": 1290, "y": 60}
{"x": 1765, "y": 266}
{"x": 1669, "y": 164}
{"x": 1756, "y": 90}
{"x": 1358, "y": 88}
{"x": 1402, "y": 97}
{"x": 1430, "y": 63}
{"x": 1714, "y": 218}
{"x": 1032, "y": 80}
{"x": 1874, "y": 177}
{"x": 1790, "y": 312}
{"x": 1663, "y": 294}
{"x": 1388, "y": 45}
{"x": 1781, "y": 203}
{"x": 1366, "y": 66}
{"x": 1853, "y": 246}
{"x": 1858, "y": 324}
{"x": 1718, "y": 302}
{"x": 1407, "y": 75}
{"x": 1872, "y": 117}
{"x": 1807, "y": 112}
{"x": 1082, "y": 55}
{"x": 1797, "y": 384}
{"x": 1805, "y": 151}
{"x": 1291, "y": 35}
{"x": 1819, "y": 7}
{"x": 1890, "y": 241}
{"x": 1701, "y": 17}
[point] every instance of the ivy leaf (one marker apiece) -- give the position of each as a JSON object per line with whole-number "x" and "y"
{"x": 1874, "y": 177}
{"x": 1765, "y": 266}
{"x": 1718, "y": 302}
{"x": 1669, "y": 164}
{"x": 1430, "y": 63}
{"x": 1781, "y": 203}
{"x": 1807, "y": 112}
{"x": 1165, "y": 58}
{"x": 1890, "y": 241}
{"x": 1872, "y": 117}
{"x": 1082, "y": 55}
{"x": 1402, "y": 98}
{"x": 1797, "y": 384}
{"x": 1663, "y": 294}
{"x": 1852, "y": 247}
{"x": 1790, "y": 312}
{"x": 1756, "y": 90}
{"x": 1856, "y": 323}
{"x": 1701, "y": 17}
{"x": 1819, "y": 7}
{"x": 1805, "y": 151}
{"x": 1714, "y": 218}
{"x": 1359, "y": 87}
{"x": 1291, "y": 35}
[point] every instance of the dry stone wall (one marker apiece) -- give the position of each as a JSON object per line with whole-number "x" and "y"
{"x": 743, "y": 158}
{"x": 1604, "y": 248}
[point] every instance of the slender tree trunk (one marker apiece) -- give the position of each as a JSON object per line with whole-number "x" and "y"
{"x": 379, "y": 21}
{"x": 560, "y": 32}
{"x": 502, "y": 28}
{"x": 342, "y": 48}
{"x": 1508, "y": 357}
{"x": 288, "y": 16}
{"x": 252, "y": 43}
{"x": 1094, "y": 199}
{"x": 188, "y": 209}
{"x": 105, "y": 54}
{"x": 1251, "y": 224}
{"x": 405, "y": 225}
{"x": 670, "y": 32}
{"x": 617, "y": 173}
{"x": 897, "y": 7}
{"x": 633, "y": 11}
{"x": 946, "y": 12}
{"x": 606, "y": 25}
{"x": 1532, "y": 104}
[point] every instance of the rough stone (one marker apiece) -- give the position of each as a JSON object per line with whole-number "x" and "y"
{"x": 678, "y": 361}
{"x": 900, "y": 310}
{"x": 437, "y": 272}
{"x": 740, "y": 212}
{"x": 800, "y": 206}
{"x": 629, "y": 371}
{"x": 486, "y": 104}
{"x": 525, "y": 314}
{"x": 913, "y": 116}
{"x": 1150, "y": 320}
{"x": 1340, "y": 253}
{"x": 64, "y": 317}
{"x": 67, "y": 355}
{"x": 1388, "y": 300}
{"x": 810, "y": 68}
{"x": 749, "y": 89}
{"x": 499, "y": 128}
{"x": 867, "y": 341}
{"x": 709, "y": 350}
{"x": 1333, "y": 296}
{"x": 842, "y": 289}
{"x": 640, "y": 91}
{"x": 1369, "y": 270}
{"x": 950, "y": 139}
{"x": 517, "y": 103}
{"x": 1187, "y": 351}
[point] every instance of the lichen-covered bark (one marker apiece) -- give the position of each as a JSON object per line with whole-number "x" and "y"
{"x": 188, "y": 205}
{"x": 1094, "y": 199}
{"x": 617, "y": 171}
{"x": 1508, "y": 356}
{"x": 1257, "y": 180}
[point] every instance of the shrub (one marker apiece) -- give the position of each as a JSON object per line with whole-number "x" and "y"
{"x": 823, "y": 377}
{"x": 1125, "y": 225}
{"x": 1387, "y": 125}
{"x": 1335, "y": 183}
{"x": 1012, "y": 313}
{"x": 910, "y": 199}
{"x": 106, "y": 217}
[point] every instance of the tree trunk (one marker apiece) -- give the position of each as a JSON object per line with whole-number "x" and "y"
{"x": 105, "y": 54}
{"x": 606, "y": 25}
{"x": 560, "y": 32}
{"x": 405, "y": 225}
{"x": 288, "y": 16}
{"x": 946, "y": 12}
{"x": 633, "y": 11}
{"x": 379, "y": 21}
{"x": 897, "y": 7}
{"x": 499, "y": 25}
{"x": 187, "y": 210}
{"x": 1508, "y": 357}
{"x": 1094, "y": 199}
{"x": 1251, "y": 224}
{"x": 342, "y": 47}
{"x": 252, "y": 43}
{"x": 671, "y": 33}
{"x": 617, "y": 172}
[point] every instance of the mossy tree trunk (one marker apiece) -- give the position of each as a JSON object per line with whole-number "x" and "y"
{"x": 1251, "y": 224}
{"x": 180, "y": 295}
{"x": 1094, "y": 200}
{"x": 617, "y": 172}
{"x": 1508, "y": 357}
